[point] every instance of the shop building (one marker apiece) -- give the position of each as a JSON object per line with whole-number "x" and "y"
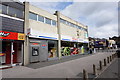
{"x": 11, "y": 33}
{"x": 74, "y": 36}
{"x": 47, "y": 34}
{"x": 42, "y": 40}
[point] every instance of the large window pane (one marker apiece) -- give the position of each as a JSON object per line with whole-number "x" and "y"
{"x": 53, "y": 22}
{"x": 48, "y": 21}
{"x": 40, "y": 18}
{"x": 12, "y": 11}
{"x": 19, "y": 13}
{"x": 0, "y": 8}
{"x": 15, "y": 12}
{"x": 32, "y": 16}
{"x": 4, "y": 9}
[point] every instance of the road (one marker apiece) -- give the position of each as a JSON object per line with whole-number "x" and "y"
{"x": 68, "y": 69}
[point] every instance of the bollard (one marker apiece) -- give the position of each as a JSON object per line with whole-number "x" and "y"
{"x": 100, "y": 64}
{"x": 66, "y": 78}
{"x": 105, "y": 62}
{"x": 107, "y": 59}
{"x": 85, "y": 75}
{"x": 94, "y": 70}
{"x": 110, "y": 58}
{"x": 113, "y": 55}
{"x": 116, "y": 55}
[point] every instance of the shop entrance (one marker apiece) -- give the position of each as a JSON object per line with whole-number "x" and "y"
{"x": 6, "y": 55}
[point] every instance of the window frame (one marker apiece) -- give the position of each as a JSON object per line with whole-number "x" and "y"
{"x": 41, "y": 17}
{"x": 34, "y": 16}
{"x": 55, "y": 22}
{"x": 48, "y": 20}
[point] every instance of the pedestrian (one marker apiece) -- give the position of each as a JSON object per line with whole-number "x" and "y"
{"x": 90, "y": 51}
{"x": 94, "y": 50}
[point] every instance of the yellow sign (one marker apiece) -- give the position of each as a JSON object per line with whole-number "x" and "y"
{"x": 21, "y": 36}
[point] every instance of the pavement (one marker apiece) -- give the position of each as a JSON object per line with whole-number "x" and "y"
{"x": 67, "y": 69}
{"x": 112, "y": 72}
{"x": 57, "y": 61}
{"x": 64, "y": 59}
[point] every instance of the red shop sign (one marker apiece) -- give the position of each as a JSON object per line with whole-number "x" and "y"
{"x": 8, "y": 35}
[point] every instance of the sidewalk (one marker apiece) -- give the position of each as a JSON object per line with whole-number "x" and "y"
{"x": 63, "y": 59}
{"x": 68, "y": 69}
{"x": 112, "y": 71}
{"x": 53, "y": 62}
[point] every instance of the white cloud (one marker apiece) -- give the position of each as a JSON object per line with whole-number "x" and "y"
{"x": 101, "y": 17}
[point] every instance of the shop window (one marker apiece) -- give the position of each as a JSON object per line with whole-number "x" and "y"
{"x": 69, "y": 48}
{"x": 40, "y": 18}
{"x": 48, "y": 21}
{"x": 33, "y": 16}
{"x": 54, "y": 22}
{"x": 52, "y": 49}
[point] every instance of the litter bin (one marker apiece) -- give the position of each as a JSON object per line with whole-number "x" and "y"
{"x": 118, "y": 53}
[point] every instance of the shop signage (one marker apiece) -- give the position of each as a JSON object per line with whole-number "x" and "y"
{"x": 74, "y": 39}
{"x": 38, "y": 34}
{"x": 2, "y": 34}
{"x": 21, "y": 36}
{"x": 11, "y": 35}
{"x": 2, "y": 54}
{"x": 35, "y": 44}
{"x": 44, "y": 46}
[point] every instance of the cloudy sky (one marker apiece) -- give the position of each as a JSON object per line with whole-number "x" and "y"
{"x": 100, "y": 17}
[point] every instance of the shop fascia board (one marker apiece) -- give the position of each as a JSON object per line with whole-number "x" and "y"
{"x": 37, "y": 34}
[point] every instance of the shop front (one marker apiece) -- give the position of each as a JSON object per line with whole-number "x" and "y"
{"x": 43, "y": 46}
{"x": 73, "y": 46}
{"x": 12, "y": 48}
{"x": 42, "y": 50}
